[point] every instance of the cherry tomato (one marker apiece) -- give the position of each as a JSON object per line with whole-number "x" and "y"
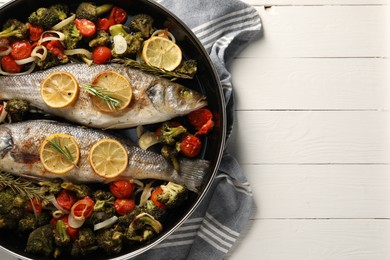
{"x": 34, "y": 206}
{"x": 83, "y": 208}
{"x": 103, "y": 24}
{"x": 199, "y": 117}
{"x": 154, "y": 198}
{"x": 124, "y": 206}
{"x": 122, "y": 189}
{"x": 56, "y": 48}
{"x": 72, "y": 232}
{"x": 190, "y": 146}
{"x": 118, "y": 15}
{"x": 35, "y": 31}
{"x": 206, "y": 128}
{"x": 21, "y": 50}
{"x": 66, "y": 199}
{"x": 9, "y": 64}
{"x": 86, "y": 27}
{"x": 1, "y": 108}
{"x": 101, "y": 54}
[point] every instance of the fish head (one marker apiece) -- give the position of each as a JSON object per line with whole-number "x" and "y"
{"x": 175, "y": 99}
{"x": 6, "y": 142}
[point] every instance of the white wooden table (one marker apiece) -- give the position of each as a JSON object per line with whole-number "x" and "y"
{"x": 313, "y": 131}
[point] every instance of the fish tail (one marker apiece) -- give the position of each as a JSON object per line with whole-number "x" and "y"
{"x": 192, "y": 173}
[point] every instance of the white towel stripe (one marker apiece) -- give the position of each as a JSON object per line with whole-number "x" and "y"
{"x": 221, "y": 26}
{"x": 192, "y": 220}
{"x": 209, "y": 41}
{"x": 202, "y": 26}
{"x": 236, "y": 185}
{"x": 184, "y": 235}
{"x": 212, "y": 243}
{"x": 214, "y": 237}
{"x": 223, "y": 235}
{"x": 177, "y": 243}
{"x": 219, "y": 224}
{"x": 186, "y": 228}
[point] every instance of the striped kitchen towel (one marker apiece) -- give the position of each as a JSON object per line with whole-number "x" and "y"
{"x": 224, "y": 27}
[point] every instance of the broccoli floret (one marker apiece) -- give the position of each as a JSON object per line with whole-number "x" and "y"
{"x": 102, "y": 39}
{"x": 188, "y": 67}
{"x": 85, "y": 243}
{"x": 29, "y": 221}
{"x": 50, "y": 61}
{"x": 40, "y": 241}
{"x": 11, "y": 208}
{"x": 61, "y": 237}
{"x": 72, "y": 36}
{"x": 143, "y": 228}
{"x": 17, "y": 109}
{"x": 142, "y": 23}
{"x": 170, "y": 153}
{"x": 169, "y": 133}
{"x": 134, "y": 41}
{"x": 173, "y": 194}
{"x": 50, "y": 187}
{"x": 14, "y": 28}
{"x": 80, "y": 190}
{"x": 48, "y": 17}
{"x": 89, "y": 11}
{"x": 103, "y": 208}
{"x": 110, "y": 240}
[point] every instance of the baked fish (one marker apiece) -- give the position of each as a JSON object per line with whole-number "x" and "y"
{"x": 155, "y": 99}
{"x": 20, "y": 145}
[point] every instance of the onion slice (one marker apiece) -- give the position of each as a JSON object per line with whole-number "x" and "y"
{"x": 146, "y": 193}
{"x": 35, "y": 52}
{"x": 6, "y": 51}
{"x": 148, "y": 139}
{"x": 120, "y": 44}
{"x": 75, "y": 222}
{"x": 3, "y": 113}
{"x": 64, "y": 23}
{"x": 53, "y": 201}
{"x": 60, "y": 36}
{"x": 25, "y": 61}
{"x": 164, "y": 33}
{"x": 81, "y": 51}
{"x": 32, "y": 67}
{"x": 106, "y": 223}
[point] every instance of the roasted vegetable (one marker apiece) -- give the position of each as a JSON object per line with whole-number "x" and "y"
{"x": 31, "y": 221}
{"x": 102, "y": 38}
{"x": 85, "y": 243}
{"x": 103, "y": 208}
{"x": 173, "y": 195}
{"x": 188, "y": 67}
{"x": 143, "y": 228}
{"x": 50, "y": 187}
{"x": 89, "y": 11}
{"x": 40, "y": 241}
{"x": 142, "y": 23}
{"x": 11, "y": 208}
{"x": 17, "y": 109}
{"x": 81, "y": 190}
{"x": 61, "y": 237}
{"x": 14, "y": 28}
{"x": 170, "y": 133}
{"x": 72, "y": 36}
{"x": 110, "y": 240}
{"x": 124, "y": 43}
{"x": 48, "y": 17}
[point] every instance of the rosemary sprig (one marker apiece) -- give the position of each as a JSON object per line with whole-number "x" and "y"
{"x": 105, "y": 95}
{"x": 63, "y": 150}
{"x": 153, "y": 70}
{"x": 22, "y": 186}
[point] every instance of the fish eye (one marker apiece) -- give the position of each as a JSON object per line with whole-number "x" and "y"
{"x": 185, "y": 93}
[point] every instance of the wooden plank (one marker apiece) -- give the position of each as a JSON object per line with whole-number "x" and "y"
{"x": 311, "y": 137}
{"x": 314, "y": 239}
{"x": 322, "y": 31}
{"x": 320, "y": 191}
{"x": 317, "y": 83}
{"x": 316, "y": 2}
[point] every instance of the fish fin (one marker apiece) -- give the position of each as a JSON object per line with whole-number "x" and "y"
{"x": 192, "y": 173}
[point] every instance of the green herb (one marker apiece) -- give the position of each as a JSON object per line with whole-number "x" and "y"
{"x": 22, "y": 186}
{"x": 64, "y": 150}
{"x": 105, "y": 95}
{"x": 153, "y": 70}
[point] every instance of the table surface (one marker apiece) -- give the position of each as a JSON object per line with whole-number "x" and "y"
{"x": 312, "y": 131}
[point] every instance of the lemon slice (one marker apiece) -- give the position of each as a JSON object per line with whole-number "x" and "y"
{"x": 108, "y": 158}
{"x": 162, "y": 53}
{"x": 59, "y": 89}
{"x": 113, "y": 85}
{"x": 59, "y": 153}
